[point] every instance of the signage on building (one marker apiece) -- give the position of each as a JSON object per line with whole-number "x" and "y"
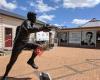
{"x": 42, "y": 36}
{"x": 88, "y": 38}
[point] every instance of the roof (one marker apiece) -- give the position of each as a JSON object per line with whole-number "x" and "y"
{"x": 78, "y": 29}
{"x": 39, "y": 22}
{"x": 11, "y": 14}
{"x": 7, "y": 13}
{"x": 92, "y": 23}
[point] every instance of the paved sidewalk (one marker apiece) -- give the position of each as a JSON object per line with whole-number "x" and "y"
{"x": 62, "y": 63}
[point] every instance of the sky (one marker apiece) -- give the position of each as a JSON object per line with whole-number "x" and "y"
{"x": 66, "y": 13}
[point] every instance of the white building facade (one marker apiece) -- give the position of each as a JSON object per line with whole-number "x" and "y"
{"x": 8, "y": 24}
{"x": 87, "y": 35}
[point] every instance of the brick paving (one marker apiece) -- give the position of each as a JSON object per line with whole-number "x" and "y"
{"x": 62, "y": 63}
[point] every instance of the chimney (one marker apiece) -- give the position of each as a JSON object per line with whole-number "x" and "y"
{"x": 93, "y": 20}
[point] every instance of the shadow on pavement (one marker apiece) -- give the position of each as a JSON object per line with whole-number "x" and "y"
{"x": 12, "y": 78}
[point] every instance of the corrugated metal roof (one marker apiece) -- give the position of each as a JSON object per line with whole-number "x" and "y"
{"x": 95, "y": 23}
{"x": 4, "y": 12}
{"x": 7, "y": 13}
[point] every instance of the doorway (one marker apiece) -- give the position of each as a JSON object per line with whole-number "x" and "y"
{"x": 98, "y": 39}
{"x": 8, "y": 37}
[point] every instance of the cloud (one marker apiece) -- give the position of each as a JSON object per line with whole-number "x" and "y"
{"x": 57, "y": 24}
{"x": 23, "y": 8}
{"x": 8, "y": 5}
{"x": 80, "y": 3}
{"x": 31, "y": 3}
{"x": 46, "y": 17}
{"x": 56, "y": 1}
{"x": 43, "y": 7}
{"x": 79, "y": 21}
{"x": 14, "y": 1}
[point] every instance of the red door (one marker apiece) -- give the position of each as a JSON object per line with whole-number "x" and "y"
{"x": 8, "y": 37}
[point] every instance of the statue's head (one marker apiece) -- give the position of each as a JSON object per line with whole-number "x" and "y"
{"x": 31, "y": 16}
